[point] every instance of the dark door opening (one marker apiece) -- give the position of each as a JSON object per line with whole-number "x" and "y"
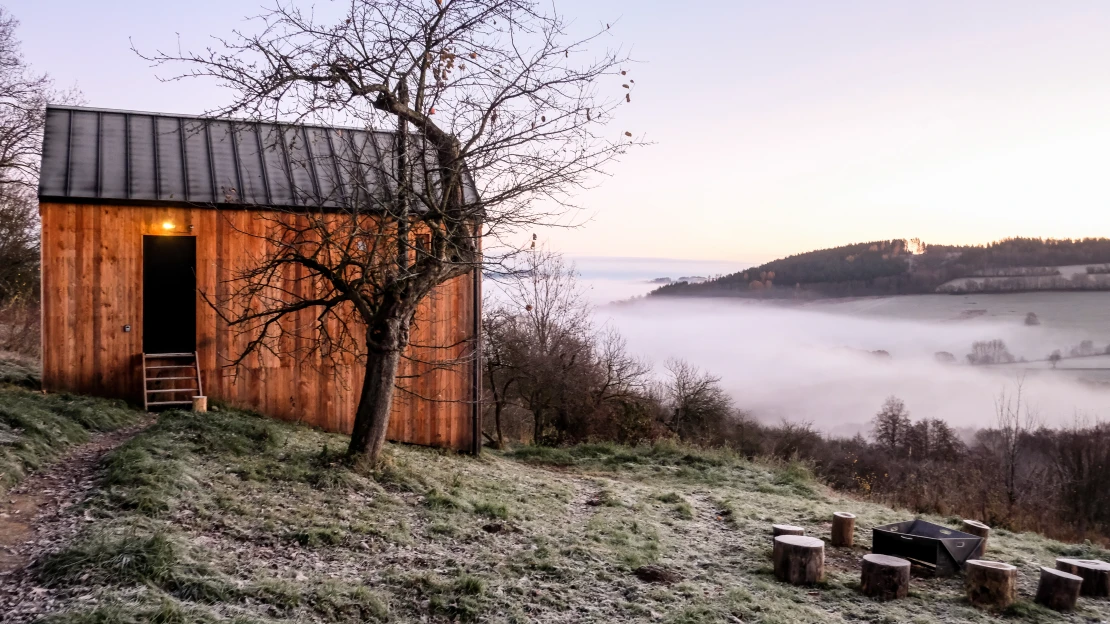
{"x": 169, "y": 294}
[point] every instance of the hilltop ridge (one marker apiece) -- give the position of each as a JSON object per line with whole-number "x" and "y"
{"x": 910, "y": 266}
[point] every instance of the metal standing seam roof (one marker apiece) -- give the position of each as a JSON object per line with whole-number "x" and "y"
{"x": 121, "y": 156}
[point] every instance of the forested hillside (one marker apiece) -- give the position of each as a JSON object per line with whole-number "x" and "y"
{"x": 893, "y": 267}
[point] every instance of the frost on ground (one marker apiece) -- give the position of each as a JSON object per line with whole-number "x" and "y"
{"x": 227, "y": 516}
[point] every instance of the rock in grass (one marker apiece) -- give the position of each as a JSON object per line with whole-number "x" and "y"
{"x": 656, "y": 574}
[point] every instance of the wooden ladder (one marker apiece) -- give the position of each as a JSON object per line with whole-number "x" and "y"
{"x": 167, "y": 376}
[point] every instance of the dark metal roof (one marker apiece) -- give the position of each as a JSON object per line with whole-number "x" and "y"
{"x": 107, "y": 155}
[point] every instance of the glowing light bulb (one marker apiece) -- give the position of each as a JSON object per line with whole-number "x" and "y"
{"x": 167, "y": 225}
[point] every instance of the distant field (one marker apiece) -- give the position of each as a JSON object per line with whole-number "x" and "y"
{"x": 1066, "y": 274}
{"x": 1066, "y": 311}
{"x": 1065, "y": 320}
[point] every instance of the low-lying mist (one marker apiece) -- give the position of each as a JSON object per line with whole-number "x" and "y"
{"x": 814, "y": 362}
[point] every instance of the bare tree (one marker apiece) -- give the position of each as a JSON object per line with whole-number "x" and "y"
{"x": 24, "y": 94}
{"x": 19, "y": 243}
{"x": 23, "y": 97}
{"x": 552, "y": 341}
{"x": 986, "y": 352}
{"x": 544, "y": 354}
{"x": 1081, "y": 457}
{"x": 502, "y": 335}
{"x": 931, "y": 439}
{"x": 891, "y": 426}
{"x": 699, "y": 406}
{"x": 1014, "y": 420}
{"x": 1055, "y": 357}
{"x": 497, "y": 114}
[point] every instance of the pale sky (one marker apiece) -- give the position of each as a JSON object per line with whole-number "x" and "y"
{"x": 778, "y": 127}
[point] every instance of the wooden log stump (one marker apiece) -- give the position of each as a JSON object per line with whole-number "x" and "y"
{"x": 799, "y": 560}
{"x": 786, "y": 529}
{"x": 991, "y": 583}
{"x": 843, "y": 528}
{"x": 1095, "y": 575}
{"x": 200, "y": 404}
{"x": 885, "y": 577}
{"x": 1058, "y": 590}
{"x": 978, "y": 529}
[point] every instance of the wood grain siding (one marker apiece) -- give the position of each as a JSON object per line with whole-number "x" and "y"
{"x": 92, "y": 287}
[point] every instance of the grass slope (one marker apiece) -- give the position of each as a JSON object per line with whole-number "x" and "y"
{"x": 37, "y": 428}
{"x": 230, "y": 517}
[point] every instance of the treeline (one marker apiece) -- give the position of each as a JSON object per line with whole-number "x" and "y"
{"x": 893, "y": 267}
{"x": 1031, "y": 252}
{"x": 1016, "y": 474}
{"x": 23, "y": 97}
{"x": 553, "y": 378}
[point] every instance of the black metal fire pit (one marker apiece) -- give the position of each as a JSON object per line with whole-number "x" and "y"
{"x": 937, "y": 549}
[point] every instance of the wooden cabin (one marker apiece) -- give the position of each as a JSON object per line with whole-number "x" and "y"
{"x": 142, "y": 213}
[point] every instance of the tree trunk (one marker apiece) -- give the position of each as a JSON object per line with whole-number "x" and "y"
{"x": 1095, "y": 574}
{"x": 884, "y": 577}
{"x": 786, "y": 529}
{"x": 799, "y": 560}
{"x": 537, "y": 427}
{"x": 978, "y": 529}
{"x": 375, "y": 403}
{"x": 1058, "y": 590}
{"x": 497, "y": 424}
{"x": 991, "y": 583}
{"x": 843, "y": 528}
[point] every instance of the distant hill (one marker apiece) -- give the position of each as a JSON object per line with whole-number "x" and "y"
{"x": 900, "y": 267}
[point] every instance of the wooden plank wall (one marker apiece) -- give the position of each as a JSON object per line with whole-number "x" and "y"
{"x": 92, "y": 287}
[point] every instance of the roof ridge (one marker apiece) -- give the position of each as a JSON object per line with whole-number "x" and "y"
{"x": 120, "y": 111}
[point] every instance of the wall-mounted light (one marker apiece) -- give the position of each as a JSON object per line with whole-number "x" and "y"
{"x": 167, "y": 225}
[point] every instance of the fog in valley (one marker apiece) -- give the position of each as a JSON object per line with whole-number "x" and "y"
{"x": 814, "y": 362}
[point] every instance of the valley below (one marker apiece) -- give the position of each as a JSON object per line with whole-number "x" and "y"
{"x": 833, "y": 362}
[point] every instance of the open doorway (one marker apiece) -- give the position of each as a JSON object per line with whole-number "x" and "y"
{"x": 169, "y": 294}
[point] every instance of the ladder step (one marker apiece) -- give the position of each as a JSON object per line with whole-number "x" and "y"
{"x": 185, "y": 368}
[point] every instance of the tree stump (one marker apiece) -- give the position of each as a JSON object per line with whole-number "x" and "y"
{"x": 978, "y": 529}
{"x": 885, "y": 577}
{"x": 200, "y": 404}
{"x": 843, "y": 528}
{"x": 786, "y": 529}
{"x": 1058, "y": 590}
{"x": 1095, "y": 575}
{"x": 991, "y": 583}
{"x": 799, "y": 560}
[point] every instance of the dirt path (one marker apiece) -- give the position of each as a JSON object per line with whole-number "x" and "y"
{"x": 34, "y": 515}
